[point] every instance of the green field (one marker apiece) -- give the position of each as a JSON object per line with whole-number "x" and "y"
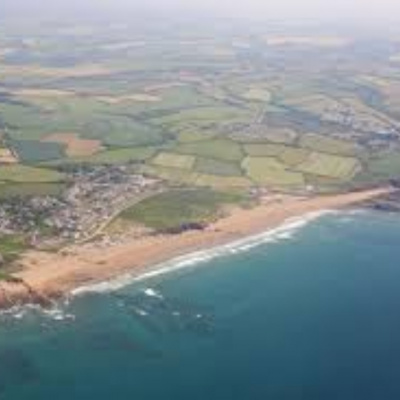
{"x": 197, "y": 106}
{"x": 218, "y": 149}
{"x": 270, "y": 171}
{"x": 327, "y": 144}
{"x": 204, "y": 114}
{"x": 116, "y": 156}
{"x": 33, "y": 189}
{"x": 173, "y": 209}
{"x": 217, "y": 167}
{"x": 11, "y": 246}
{"x": 386, "y": 166}
{"x": 31, "y": 151}
{"x": 22, "y": 174}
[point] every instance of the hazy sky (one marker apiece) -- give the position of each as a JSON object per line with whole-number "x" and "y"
{"x": 379, "y": 10}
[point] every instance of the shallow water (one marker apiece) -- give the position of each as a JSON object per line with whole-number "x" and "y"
{"x": 313, "y": 313}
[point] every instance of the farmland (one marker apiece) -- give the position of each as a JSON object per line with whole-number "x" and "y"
{"x": 269, "y": 171}
{"x": 342, "y": 168}
{"x": 115, "y": 113}
{"x": 21, "y": 173}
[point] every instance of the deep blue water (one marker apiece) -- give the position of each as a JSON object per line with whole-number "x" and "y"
{"x": 315, "y": 316}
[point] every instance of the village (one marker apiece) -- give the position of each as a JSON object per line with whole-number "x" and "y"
{"x": 93, "y": 198}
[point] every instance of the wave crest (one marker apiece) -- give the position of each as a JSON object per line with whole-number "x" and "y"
{"x": 285, "y": 231}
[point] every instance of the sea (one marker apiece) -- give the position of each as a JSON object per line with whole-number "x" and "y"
{"x": 308, "y": 311}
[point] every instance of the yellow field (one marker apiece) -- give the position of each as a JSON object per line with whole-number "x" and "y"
{"x": 264, "y": 149}
{"x": 343, "y": 168}
{"x": 292, "y": 156}
{"x": 269, "y": 171}
{"x": 188, "y": 136}
{"x": 170, "y": 174}
{"x": 222, "y": 181}
{"x": 327, "y": 145}
{"x": 173, "y": 160}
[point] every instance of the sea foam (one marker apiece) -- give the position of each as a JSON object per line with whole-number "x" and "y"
{"x": 285, "y": 231}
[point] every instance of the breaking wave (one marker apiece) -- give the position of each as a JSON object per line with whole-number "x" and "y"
{"x": 58, "y": 312}
{"x": 283, "y": 232}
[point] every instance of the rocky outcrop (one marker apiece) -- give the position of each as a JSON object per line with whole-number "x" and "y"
{"x": 388, "y": 203}
{"x": 15, "y": 291}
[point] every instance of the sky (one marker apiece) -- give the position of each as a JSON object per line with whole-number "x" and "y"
{"x": 368, "y": 10}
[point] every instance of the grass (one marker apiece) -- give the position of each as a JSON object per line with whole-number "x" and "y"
{"x": 337, "y": 167}
{"x": 217, "y": 167}
{"x": 270, "y": 171}
{"x": 173, "y": 209}
{"x": 386, "y": 166}
{"x": 326, "y": 144}
{"x": 218, "y": 149}
{"x": 11, "y": 246}
{"x": 174, "y": 160}
{"x": 26, "y": 190}
{"x": 22, "y": 173}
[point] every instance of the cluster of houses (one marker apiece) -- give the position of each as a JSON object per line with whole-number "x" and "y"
{"x": 95, "y": 195}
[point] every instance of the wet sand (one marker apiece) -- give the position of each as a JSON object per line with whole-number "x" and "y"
{"x": 55, "y": 274}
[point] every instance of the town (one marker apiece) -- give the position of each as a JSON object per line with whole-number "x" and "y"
{"x": 93, "y": 198}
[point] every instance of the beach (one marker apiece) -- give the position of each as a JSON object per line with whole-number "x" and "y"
{"x": 46, "y": 275}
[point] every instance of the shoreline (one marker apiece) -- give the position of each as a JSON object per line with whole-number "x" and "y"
{"x": 285, "y": 230}
{"x": 45, "y": 276}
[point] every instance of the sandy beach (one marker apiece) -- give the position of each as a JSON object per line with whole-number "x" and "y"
{"x": 47, "y": 275}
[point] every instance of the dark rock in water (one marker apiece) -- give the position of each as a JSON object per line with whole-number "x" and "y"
{"x": 395, "y": 183}
{"x": 387, "y": 203}
{"x": 16, "y": 368}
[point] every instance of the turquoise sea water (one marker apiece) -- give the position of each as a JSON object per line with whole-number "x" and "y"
{"x": 312, "y": 314}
